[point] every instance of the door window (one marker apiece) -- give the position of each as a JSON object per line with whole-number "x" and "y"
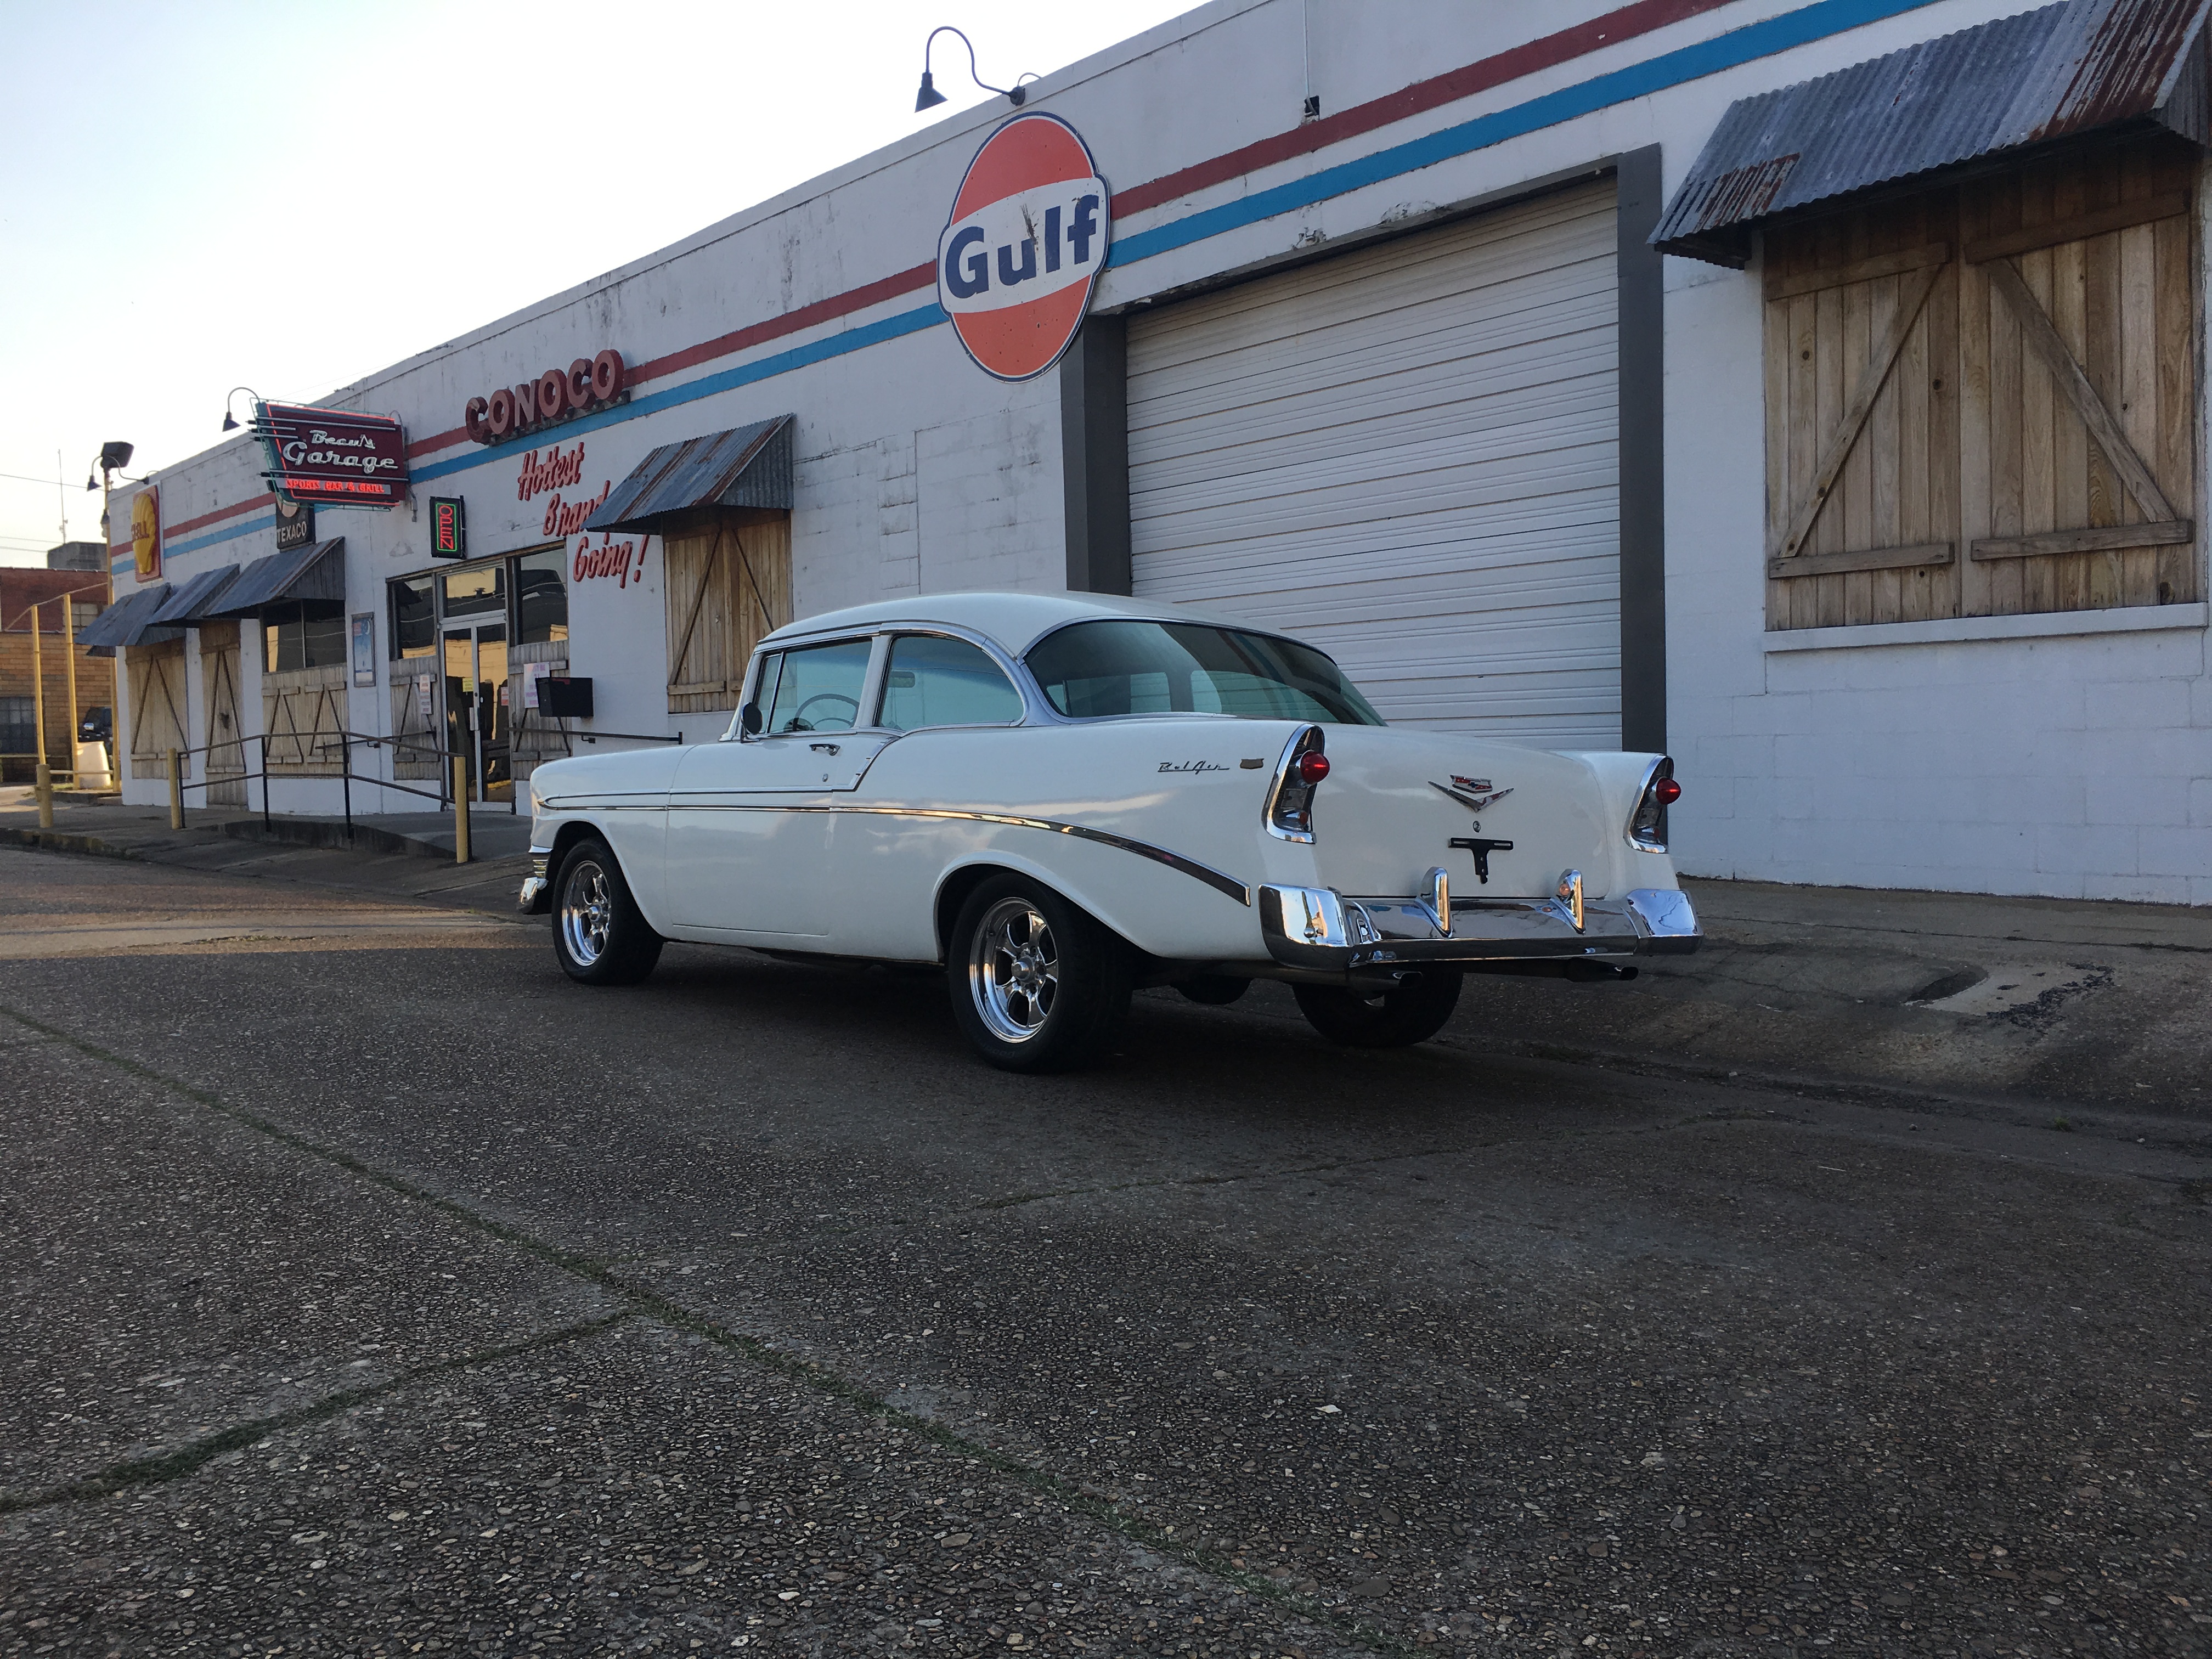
{"x": 819, "y": 688}
{"x": 934, "y": 680}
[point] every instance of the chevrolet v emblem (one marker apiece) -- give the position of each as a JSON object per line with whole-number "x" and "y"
{"x": 1469, "y": 792}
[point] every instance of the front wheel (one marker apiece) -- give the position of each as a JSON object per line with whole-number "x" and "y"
{"x": 600, "y": 934}
{"x": 1411, "y": 1010}
{"x": 1037, "y": 985}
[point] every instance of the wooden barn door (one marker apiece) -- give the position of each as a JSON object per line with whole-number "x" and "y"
{"x": 729, "y": 582}
{"x": 156, "y": 679}
{"x": 226, "y": 737}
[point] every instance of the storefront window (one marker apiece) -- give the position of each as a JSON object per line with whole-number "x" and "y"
{"x": 542, "y": 596}
{"x": 303, "y": 633}
{"x": 476, "y": 591}
{"x": 413, "y": 629}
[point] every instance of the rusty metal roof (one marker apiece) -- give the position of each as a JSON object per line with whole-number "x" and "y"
{"x": 190, "y": 602}
{"x": 315, "y": 572}
{"x": 2060, "y": 72}
{"x": 128, "y": 621}
{"x": 746, "y": 466}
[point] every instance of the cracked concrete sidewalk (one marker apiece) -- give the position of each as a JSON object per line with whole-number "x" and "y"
{"x": 2049, "y": 1005}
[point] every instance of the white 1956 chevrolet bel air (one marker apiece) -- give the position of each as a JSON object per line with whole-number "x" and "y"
{"x": 1061, "y": 796}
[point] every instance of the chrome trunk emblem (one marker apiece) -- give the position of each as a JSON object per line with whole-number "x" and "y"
{"x": 1472, "y": 792}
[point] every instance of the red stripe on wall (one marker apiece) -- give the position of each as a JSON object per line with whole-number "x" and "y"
{"x": 791, "y": 322}
{"x": 1546, "y": 52}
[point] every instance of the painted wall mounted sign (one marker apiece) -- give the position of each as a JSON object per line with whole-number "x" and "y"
{"x": 588, "y": 384}
{"x": 146, "y": 532}
{"x": 295, "y": 524}
{"x": 449, "y": 528}
{"x": 1023, "y": 248}
{"x": 338, "y": 456}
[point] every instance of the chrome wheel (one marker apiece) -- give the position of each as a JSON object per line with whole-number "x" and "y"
{"x": 587, "y": 912}
{"x": 1014, "y": 970}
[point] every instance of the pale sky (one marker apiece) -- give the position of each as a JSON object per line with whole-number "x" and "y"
{"x": 200, "y": 194}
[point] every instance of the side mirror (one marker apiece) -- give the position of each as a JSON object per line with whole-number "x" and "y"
{"x": 749, "y": 719}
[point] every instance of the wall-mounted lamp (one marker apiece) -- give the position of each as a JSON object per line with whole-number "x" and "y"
{"x": 929, "y": 97}
{"x": 229, "y": 419}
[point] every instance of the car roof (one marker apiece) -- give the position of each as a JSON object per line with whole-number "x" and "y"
{"x": 1016, "y": 620}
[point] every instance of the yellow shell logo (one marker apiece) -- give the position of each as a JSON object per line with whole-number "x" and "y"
{"x": 146, "y": 535}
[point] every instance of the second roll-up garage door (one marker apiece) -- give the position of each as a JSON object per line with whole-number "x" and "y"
{"x": 1409, "y": 456}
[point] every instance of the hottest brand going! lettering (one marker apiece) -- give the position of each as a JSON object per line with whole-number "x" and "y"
{"x": 559, "y": 470}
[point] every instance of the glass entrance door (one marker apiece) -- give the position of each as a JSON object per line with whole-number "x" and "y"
{"x": 477, "y": 713}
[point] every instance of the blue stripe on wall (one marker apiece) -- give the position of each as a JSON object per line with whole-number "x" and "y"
{"x": 1723, "y": 51}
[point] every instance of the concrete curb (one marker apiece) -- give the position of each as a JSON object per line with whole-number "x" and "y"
{"x": 317, "y": 832}
{"x": 62, "y": 841}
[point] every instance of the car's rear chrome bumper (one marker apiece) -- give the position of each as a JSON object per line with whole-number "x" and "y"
{"x": 1319, "y": 927}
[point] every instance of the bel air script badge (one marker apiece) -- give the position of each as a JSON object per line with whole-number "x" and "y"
{"x": 1192, "y": 766}
{"x": 1474, "y": 794}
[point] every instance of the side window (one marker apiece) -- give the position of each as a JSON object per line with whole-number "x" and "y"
{"x": 932, "y": 681}
{"x": 819, "y": 689}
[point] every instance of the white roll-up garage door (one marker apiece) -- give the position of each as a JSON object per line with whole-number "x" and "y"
{"x": 1407, "y": 456}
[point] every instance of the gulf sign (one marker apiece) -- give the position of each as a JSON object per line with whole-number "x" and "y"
{"x": 1022, "y": 250}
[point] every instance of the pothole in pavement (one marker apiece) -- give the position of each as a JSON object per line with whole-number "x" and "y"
{"x": 2008, "y": 987}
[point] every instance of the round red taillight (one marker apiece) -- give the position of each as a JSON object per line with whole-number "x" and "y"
{"x": 1312, "y": 767}
{"x": 1666, "y": 791}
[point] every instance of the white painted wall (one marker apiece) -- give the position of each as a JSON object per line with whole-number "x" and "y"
{"x": 2070, "y": 765}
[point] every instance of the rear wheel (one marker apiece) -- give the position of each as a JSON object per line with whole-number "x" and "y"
{"x": 1037, "y": 985}
{"x": 600, "y": 934}
{"x": 1411, "y": 1010}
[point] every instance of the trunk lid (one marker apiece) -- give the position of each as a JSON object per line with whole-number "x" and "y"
{"x": 1395, "y": 801}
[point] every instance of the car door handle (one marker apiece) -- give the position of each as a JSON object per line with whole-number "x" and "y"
{"x": 823, "y": 748}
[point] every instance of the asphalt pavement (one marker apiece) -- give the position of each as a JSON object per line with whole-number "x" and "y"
{"x": 373, "y": 1289}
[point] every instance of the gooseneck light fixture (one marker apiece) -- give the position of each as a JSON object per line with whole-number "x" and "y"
{"x": 229, "y": 419}
{"x": 929, "y": 97}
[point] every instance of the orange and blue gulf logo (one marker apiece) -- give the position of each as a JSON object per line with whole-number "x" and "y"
{"x": 1023, "y": 249}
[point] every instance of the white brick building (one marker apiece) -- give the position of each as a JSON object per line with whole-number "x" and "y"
{"x": 1406, "y": 378}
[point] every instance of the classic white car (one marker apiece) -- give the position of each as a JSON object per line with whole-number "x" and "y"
{"x": 1059, "y": 797}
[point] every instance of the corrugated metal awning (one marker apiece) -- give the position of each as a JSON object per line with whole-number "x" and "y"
{"x": 190, "y": 602}
{"x": 2062, "y": 72}
{"x": 746, "y": 466}
{"x": 313, "y": 572}
{"x": 128, "y": 621}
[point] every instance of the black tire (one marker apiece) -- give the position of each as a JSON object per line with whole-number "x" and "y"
{"x": 1214, "y": 990}
{"x": 1412, "y": 1011}
{"x": 1037, "y": 985}
{"x": 600, "y": 934}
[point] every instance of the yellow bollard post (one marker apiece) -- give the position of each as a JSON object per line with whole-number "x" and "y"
{"x": 68, "y": 662}
{"x": 460, "y": 810}
{"x": 176, "y": 790}
{"x": 45, "y": 793}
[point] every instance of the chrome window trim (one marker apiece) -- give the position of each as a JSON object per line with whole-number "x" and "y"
{"x": 1006, "y": 664}
{"x": 870, "y": 683}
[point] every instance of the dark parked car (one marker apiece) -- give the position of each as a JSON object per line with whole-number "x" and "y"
{"x": 98, "y": 725}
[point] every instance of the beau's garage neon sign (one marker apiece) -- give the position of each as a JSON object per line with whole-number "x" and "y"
{"x": 588, "y": 383}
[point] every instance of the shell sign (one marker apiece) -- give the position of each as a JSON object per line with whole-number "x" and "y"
{"x": 1022, "y": 250}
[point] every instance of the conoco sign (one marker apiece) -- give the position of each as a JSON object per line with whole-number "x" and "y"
{"x": 1023, "y": 246}
{"x": 334, "y": 455}
{"x": 588, "y": 384}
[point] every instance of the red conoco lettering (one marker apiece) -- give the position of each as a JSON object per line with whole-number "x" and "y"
{"x": 607, "y": 375}
{"x": 503, "y": 414}
{"x": 580, "y": 383}
{"x": 552, "y": 394}
{"x": 472, "y": 418}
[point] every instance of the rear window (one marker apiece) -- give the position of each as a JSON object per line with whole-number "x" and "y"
{"x": 1098, "y": 670}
